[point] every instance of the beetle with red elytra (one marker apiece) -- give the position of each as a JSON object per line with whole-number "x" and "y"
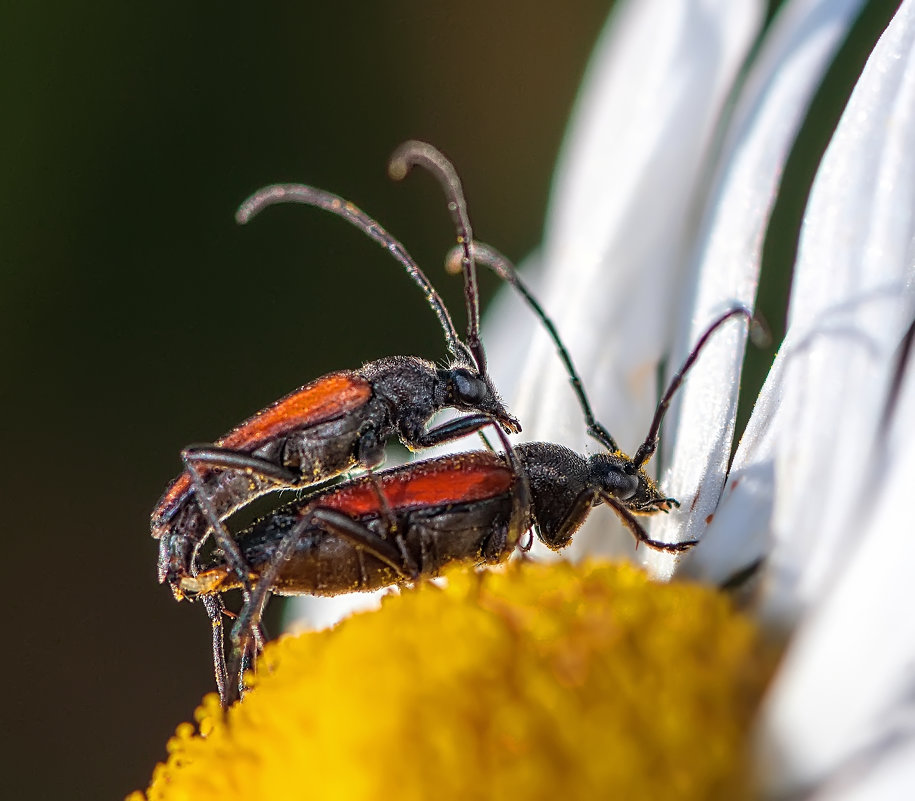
{"x": 340, "y": 421}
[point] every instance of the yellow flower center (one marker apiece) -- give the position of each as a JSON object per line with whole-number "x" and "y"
{"x": 539, "y": 682}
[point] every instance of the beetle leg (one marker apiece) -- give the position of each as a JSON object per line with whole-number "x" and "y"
{"x": 363, "y": 574}
{"x": 215, "y": 609}
{"x": 234, "y": 558}
{"x": 428, "y": 551}
{"x": 215, "y": 456}
{"x": 362, "y": 538}
{"x": 495, "y": 548}
{"x": 452, "y": 429}
{"x": 249, "y": 618}
{"x": 658, "y": 505}
{"x": 333, "y": 522}
{"x": 229, "y": 676}
{"x": 211, "y": 456}
{"x": 638, "y": 532}
{"x": 392, "y": 528}
{"x": 370, "y": 450}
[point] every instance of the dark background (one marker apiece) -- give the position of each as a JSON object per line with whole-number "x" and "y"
{"x": 136, "y": 317}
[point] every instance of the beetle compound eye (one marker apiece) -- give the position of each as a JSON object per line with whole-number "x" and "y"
{"x": 628, "y": 486}
{"x": 613, "y": 478}
{"x": 468, "y": 388}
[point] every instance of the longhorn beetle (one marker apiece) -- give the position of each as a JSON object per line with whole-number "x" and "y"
{"x": 342, "y": 420}
{"x": 410, "y": 522}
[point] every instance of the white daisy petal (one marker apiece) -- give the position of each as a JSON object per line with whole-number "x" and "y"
{"x": 630, "y": 167}
{"x": 845, "y": 694}
{"x": 888, "y": 776}
{"x": 725, "y": 269}
{"x": 822, "y": 400}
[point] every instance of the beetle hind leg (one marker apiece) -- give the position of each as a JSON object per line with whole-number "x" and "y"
{"x": 244, "y": 634}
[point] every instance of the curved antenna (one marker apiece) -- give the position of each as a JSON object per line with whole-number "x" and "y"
{"x": 310, "y": 196}
{"x": 425, "y": 155}
{"x": 501, "y": 266}
{"x": 757, "y": 333}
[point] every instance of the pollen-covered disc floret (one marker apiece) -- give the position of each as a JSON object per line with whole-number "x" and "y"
{"x": 541, "y": 682}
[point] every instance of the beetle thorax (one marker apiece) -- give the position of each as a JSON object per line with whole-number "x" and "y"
{"x": 405, "y": 383}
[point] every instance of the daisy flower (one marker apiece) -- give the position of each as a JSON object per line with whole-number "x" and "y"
{"x": 550, "y": 680}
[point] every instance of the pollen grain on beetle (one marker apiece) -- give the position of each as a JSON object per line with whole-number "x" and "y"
{"x": 539, "y": 682}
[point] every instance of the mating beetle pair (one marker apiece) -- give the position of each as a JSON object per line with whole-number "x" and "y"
{"x": 398, "y": 525}
{"x": 343, "y": 420}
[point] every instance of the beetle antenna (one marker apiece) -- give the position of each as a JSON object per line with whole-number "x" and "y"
{"x": 502, "y": 267}
{"x": 757, "y": 333}
{"x": 311, "y": 196}
{"x": 425, "y": 155}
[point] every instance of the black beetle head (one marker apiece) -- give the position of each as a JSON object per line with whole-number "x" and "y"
{"x": 469, "y": 390}
{"x": 616, "y": 475}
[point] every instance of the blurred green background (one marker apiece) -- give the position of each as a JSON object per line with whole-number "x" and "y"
{"x": 138, "y": 317}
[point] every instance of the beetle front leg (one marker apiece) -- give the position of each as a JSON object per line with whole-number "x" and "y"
{"x": 658, "y": 505}
{"x": 446, "y": 432}
{"x": 639, "y": 533}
